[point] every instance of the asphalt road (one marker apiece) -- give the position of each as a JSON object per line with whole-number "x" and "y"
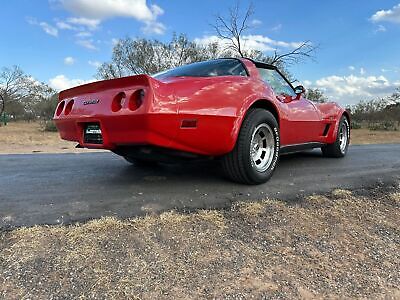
{"x": 64, "y": 188}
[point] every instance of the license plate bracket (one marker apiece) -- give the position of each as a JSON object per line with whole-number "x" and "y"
{"x": 92, "y": 134}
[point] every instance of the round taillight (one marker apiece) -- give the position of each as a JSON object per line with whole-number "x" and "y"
{"x": 118, "y": 102}
{"x": 60, "y": 108}
{"x": 69, "y": 106}
{"x": 136, "y": 99}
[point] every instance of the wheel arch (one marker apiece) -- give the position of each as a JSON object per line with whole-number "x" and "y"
{"x": 267, "y": 105}
{"x": 343, "y": 113}
{"x": 258, "y": 103}
{"x": 347, "y": 115}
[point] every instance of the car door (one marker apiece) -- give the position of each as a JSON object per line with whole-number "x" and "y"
{"x": 300, "y": 120}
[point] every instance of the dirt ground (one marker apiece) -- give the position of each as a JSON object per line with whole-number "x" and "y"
{"x": 366, "y": 136}
{"x": 22, "y": 137}
{"x": 339, "y": 245}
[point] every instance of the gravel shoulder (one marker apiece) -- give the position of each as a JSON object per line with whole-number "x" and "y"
{"x": 344, "y": 244}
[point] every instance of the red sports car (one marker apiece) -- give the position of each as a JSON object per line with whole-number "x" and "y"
{"x": 244, "y": 112}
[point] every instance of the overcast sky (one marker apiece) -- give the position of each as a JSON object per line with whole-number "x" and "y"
{"x": 61, "y": 42}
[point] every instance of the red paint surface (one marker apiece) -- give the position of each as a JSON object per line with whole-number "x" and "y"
{"x": 219, "y": 105}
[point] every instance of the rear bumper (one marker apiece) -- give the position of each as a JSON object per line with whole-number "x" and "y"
{"x": 137, "y": 129}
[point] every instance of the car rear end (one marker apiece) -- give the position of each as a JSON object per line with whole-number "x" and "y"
{"x": 107, "y": 114}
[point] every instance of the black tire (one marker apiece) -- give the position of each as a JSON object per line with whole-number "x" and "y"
{"x": 337, "y": 149}
{"x": 140, "y": 162}
{"x": 239, "y": 164}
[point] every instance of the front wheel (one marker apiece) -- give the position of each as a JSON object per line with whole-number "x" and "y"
{"x": 256, "y": 153}
{"x": 340, "y": 146}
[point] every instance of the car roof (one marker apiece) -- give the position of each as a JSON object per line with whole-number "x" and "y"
{"x": 261, "y": 64}
{"x": 255, "y": 62}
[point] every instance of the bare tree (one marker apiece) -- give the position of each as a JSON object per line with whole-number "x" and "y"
{"x": 232, "y": 29}
{"x": 306, "y": 50}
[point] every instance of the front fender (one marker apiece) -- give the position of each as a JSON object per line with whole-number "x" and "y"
{"x": 332, "y": 111}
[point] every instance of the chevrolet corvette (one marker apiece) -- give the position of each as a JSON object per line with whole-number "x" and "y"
{"x": 242, "y": 112}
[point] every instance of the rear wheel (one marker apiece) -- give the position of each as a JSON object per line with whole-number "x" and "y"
{"x": 340, "y": 146}
{"x": 256, "y": 153}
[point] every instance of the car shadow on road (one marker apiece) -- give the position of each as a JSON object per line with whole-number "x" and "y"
{"x": 206, "y": 172}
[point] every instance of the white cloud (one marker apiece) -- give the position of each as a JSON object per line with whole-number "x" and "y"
{"x": 65, "y": 26}
{"x": 91, "y": 24}
{"x": 99, "y": 10}
{"x": 61, "y": 82}
{"x": 362, "y": 71}
{"x": 392, "y": 70}
{"x": 256, "y": 22}
{"x": 390, "y": 15}
{"x": 307, "y": 83}
{"x": 88, "y": 44}
{"x": 50, "y": 30}
{"x": 81, "y": 25}
{"x": 83, "y": 34}
{"x": 69, "y": 60}
{"x": 251, "y": 42}
{"x": 352, "y": 68}
{"x": 267, "y": 41}
{"x": 104, "y": 9}
{"x": 153, "y": 28}
{"x": 276, "y": 28}
{"x": 94, "y": 63}
{"x": 380, "y": 28}
{"x": 351, "y": 89}
{"x": 207, "y": 39}
{"x": 114, "y": 41}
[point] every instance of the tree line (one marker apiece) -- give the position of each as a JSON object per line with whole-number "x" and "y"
{"x": 377, "y": 114}
{"x": 23, "y": 97}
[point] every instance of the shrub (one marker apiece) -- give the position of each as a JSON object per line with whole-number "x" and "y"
{"x": 49, "y": 126}
{"x": 355, "y": 124}
{"x": 385, "y": 125}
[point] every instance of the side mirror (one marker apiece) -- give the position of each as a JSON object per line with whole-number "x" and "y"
{"x": 299, "y": 90}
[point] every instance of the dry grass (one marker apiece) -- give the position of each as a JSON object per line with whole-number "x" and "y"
{"x": 341, "y": 245}
{"x": 366, "y": 136}
{"x": 24, "y": 137}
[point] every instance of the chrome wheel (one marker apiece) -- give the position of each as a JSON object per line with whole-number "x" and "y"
{"x": 262, "y": 147}
{"x": 344, "y": 136}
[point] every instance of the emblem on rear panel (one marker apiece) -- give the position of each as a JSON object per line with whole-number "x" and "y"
{"x": 94, "y": 101}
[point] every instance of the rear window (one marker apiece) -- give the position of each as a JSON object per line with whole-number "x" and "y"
{"x": 211, "y": 68}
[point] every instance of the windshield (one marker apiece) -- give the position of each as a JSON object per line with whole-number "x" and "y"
{"x": 211, "y": 68}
